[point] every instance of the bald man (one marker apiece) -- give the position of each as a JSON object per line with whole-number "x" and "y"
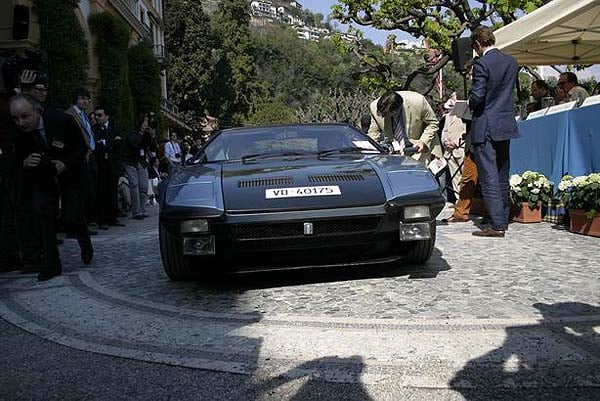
{"x": 52, "y": 154}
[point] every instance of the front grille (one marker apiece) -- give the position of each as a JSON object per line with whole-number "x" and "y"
{"x": 336, "y": 178}
{"x": 245, "y": 232}
{"x": 265, "y": 182}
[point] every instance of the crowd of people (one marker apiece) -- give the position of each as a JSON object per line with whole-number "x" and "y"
{"x": 65, "y": 169}
{"x": 473, "y": 151}
{"x": 567, "y": 90}
{"x": 73, "y": 171}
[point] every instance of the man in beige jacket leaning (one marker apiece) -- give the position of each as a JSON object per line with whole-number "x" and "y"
{"x": 406, "y": 116}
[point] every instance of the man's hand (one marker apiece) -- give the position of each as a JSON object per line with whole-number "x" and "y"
{"x": 419, "y": 145}
{"x": 33, "y": 160}
{"x": 60, "y": 166}
{"x": 449, "y": 145}
{"x": 27, "y": 76}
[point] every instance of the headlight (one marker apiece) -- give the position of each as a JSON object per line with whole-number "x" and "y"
{"x": 416, "y": 212}
{"x": 194, "y": 226}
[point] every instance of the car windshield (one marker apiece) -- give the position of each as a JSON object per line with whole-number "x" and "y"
{"x": 265, "y": 142}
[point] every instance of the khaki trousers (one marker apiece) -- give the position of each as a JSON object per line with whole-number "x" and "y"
{"x": 468, "y": 183}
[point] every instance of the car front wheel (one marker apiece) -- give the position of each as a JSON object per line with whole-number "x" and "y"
{"x": 176, "y": 265}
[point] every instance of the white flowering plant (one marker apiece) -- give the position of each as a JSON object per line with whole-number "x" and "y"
{"x": 530, "y": 187}
{"x": 581, "y": 192}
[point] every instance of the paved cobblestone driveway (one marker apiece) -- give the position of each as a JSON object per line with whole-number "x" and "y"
{"x": 519, "y": 311}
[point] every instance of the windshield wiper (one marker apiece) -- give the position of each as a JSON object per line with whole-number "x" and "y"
{"x": 260, "y": 156}
{"x": 346, "y": 150}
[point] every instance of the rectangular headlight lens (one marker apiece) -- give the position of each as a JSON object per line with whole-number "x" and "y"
{"x": 416, "y": 212}
{"x": 194, "y": 226}
{"x": 414, "y": 231}
{"x": 198, "y": 246}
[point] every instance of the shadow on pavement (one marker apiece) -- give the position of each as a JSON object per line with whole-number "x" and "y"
{"x": 283, "y": 278}
{"x": 326, "y": 378}
{"x": 551, "y": 360}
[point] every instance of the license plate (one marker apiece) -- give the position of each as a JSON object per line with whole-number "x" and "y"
{"x": 302, "y": 192}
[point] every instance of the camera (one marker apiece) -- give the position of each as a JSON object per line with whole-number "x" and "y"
{"x": 13, "y": 64}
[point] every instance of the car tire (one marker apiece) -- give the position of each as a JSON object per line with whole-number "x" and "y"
{"x": 421, "y": 251}
{"x": 175, "y": 264}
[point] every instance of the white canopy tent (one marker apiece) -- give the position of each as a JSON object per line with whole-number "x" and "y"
{"x": 561, "y": 32}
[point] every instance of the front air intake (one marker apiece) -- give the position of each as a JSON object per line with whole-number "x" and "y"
{"x": 265, "y": 182}
{"x": 336, "y": 178}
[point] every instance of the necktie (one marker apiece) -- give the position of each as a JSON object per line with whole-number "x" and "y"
{"x": 88, "y": 129}
{"x": 400, "y": 131}
{"x": 42, "y": 135}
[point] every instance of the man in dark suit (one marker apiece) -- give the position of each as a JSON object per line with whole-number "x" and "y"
{"x": 108, "y": 147}
{"x": 52, "y": 154}
{"x": 492, "y": 103}
{"x": 81, "y": 101}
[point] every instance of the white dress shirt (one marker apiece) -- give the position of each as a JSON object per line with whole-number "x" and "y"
{"x": 172, "y": 149}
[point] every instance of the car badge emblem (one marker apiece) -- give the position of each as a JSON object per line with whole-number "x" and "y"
{"x": 308, "y": 229}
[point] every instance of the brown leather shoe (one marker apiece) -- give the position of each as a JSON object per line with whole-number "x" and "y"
{"x": 489, "y": 232}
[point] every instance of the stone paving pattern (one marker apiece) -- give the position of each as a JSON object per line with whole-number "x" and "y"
{"x": 467, "y": 277}
{"x": 525, "y": 308}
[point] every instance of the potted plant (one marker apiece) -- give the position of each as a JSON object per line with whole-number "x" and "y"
{"x": 581, "y": 197}
{"x": 527, "y": 193}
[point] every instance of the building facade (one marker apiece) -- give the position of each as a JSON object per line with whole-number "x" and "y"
{"x": 19, "y": 30}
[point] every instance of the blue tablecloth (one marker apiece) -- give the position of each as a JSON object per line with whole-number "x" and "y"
{"x": 558, "y": 144}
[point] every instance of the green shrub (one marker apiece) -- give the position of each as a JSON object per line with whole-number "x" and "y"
{"x": 144, "y": 79}
{"x": 271, "y": 113}
{"x": 111, "y": 43}
{"x": 63, "y": 41}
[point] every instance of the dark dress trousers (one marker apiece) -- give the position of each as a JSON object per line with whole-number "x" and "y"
{"x": 493, "y": 126}
{"x": 9, "y": 247}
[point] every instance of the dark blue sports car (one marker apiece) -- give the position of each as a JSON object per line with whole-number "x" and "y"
{"x": 295, "y": 196}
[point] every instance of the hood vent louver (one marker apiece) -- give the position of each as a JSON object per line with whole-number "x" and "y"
{"x": 265, "y": 182}
{"x": 336, "y": 178}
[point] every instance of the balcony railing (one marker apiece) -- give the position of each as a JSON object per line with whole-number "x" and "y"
{"x": 169, "y": 106}
{"x": 171, "y": 113}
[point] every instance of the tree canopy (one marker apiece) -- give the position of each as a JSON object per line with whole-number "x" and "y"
{"x": 194, "y": 61}
{"x": 439, "y": 21}
{"x": 231, "y": 24}
{"x": 264, "y": 73}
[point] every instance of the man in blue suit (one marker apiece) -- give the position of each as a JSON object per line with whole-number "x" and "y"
{"x": 493, "y": 126}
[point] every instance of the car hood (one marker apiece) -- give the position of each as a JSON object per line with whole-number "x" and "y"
{"x": 247, "y": 187}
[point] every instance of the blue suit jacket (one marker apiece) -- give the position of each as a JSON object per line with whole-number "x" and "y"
{"x": 491, "y": 98}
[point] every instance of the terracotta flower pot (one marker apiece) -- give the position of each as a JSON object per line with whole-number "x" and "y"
{"x": 524, "y": 214}
{"x": 581, "y": 224}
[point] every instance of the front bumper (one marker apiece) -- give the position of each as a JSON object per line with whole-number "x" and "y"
{"x": 281, "y": 240}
